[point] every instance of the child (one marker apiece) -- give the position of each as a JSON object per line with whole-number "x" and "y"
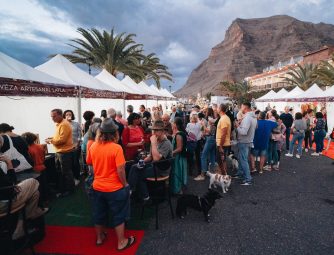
{"x": 37, "y": 153}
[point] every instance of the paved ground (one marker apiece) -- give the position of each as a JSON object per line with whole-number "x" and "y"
{"x": 285, "y": 212}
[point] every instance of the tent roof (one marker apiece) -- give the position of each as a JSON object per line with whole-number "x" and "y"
{"x": 312, "y": 92}
{"x": 159, "y": 91}
{"x": 167, "y": 93}
{"x": 112, "y": 81}
{"x": 293, "y": 93}
{"x": 149, "y": 90}
{"x": 329, "y": 92}
{"x": 280, "y": 94}
{"x": 131, "y": 83}
{"x": 62, "y": 68}
{"x": 269, "y": 95}
{"x": 12, "y": 68}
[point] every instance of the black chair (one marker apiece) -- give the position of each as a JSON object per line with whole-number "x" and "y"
{"x": 8, "y": 223}
{"x": 159, "y": 189}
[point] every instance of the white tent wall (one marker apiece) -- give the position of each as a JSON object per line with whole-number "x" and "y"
{"x": 135, "y": 104}
{"x": 151, "y": 103}
{"x": 96, "y": 105}
{"x": 32, "y": 114}
{"x": 330, "y": 115}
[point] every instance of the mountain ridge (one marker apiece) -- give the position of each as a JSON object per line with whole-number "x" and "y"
{"x": 250, "y": 45}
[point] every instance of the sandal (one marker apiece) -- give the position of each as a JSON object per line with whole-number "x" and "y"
{"x": 104, "y": 234}
{"x": 131, "y": 241}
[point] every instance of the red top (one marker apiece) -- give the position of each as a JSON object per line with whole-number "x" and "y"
{"x": 37, "y": 153}
{"x": 132, "y": 135}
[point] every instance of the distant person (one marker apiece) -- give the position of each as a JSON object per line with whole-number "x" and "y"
{"x": 63, "y": 145}
{"x": 246, "y": 132}
{"x": 298, "y": 130}
{"x": 88, "y": 117}
{"x": 103, "y": 115}
{"x": 76, "y": 137}
{"x": 261, "y": 141}
{"x": 120, "y": 126}
{"x": 129, "y": 109}
{"x": 319, "y": 133}
{"x": 119, "y": 118}
{"x": 174, "y": 114}
{"x": 133, "y": 137}
{"x": 287, "y": 119}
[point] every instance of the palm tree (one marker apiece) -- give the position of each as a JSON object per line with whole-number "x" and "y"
{"x": 238, "y": 90}
{"x": 302, "y": 76}
{"x": 152, "y": 69}
{"x": 116, "y": 53}
{"x": 325, "y": 72}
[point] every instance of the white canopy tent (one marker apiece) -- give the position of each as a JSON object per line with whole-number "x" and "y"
{"x": 27, "y": 109}
{"x": 106, "y": 77}
{"x": 313, "y": 92}
{"x": 135, "y": 103}
{"x": 62, "y": 68}
{"x": 12, "y": 68}
{"x": 263, "y": 101}
{"x": 158, "y": 91}
{"x": 277, "y": 103}
{"x": 293, "y": 93}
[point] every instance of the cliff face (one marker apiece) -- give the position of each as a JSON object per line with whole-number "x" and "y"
{"x": 253, "y": 44}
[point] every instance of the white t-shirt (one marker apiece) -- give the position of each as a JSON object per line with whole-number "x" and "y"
{"x": 195, "y": 128}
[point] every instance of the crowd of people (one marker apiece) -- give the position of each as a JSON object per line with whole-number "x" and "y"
{"x": 116, "y": 154}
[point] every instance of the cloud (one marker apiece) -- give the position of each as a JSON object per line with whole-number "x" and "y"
{"x": 181, "y": 33}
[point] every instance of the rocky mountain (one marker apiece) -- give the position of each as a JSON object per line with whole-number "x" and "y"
{"x": 250, "y": 45}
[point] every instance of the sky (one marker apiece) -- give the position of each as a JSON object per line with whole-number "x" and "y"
{"x": 180, "y": 32}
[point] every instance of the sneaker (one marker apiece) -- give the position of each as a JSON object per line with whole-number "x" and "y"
{"x": 297, "y": 156}
{"x": 289, "y": 155}
{"x": 267, "y": 168}
{"x": 278, "y": 164}
{"x": 199, "y": 178}
{"x": 261, "y": 172}
{"x": 246, "y": 184}
{"x": 76, "y": 182}
{"x": 320, "y": 153}
{"x": 276, "y": 168}
{"x": 254, "y": 171}
{"x": 306, "y": 150}
{"x": 236, "y": 176}
{"x": 315, "y": 154}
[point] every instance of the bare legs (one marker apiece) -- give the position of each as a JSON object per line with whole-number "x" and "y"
{"x": 120, "y": 229}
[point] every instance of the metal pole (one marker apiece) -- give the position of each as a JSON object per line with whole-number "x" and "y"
{"x": 79, "y": 105}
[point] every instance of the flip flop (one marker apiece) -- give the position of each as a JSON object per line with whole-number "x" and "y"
{"x": 104, "y": 238}
{"x": 129, "y": 243}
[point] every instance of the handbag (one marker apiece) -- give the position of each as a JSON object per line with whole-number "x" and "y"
{"x": 18, "y": 160}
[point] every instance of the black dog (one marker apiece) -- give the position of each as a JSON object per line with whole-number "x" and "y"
{"x": 203, "y": 204}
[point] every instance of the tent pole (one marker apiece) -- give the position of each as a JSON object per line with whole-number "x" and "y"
{"x": 124, "y": 106}
{"x": 79, "y": 105}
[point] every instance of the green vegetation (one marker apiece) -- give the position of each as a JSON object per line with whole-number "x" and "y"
{"x": 118, "y": 54}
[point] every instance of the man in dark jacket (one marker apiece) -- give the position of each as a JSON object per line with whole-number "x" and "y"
{"x": 287, "y": 119}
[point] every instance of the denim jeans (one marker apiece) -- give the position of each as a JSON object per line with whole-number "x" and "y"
{"x": 319, "y": 136}
{"x": 297, "y": 137}
{"x": 209, "y": 151}
{"x": 308, "y": 139}
{"x": 272, "y": 153}
{"x": 243, "y": 170}
{"x": 287, "y": 138}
